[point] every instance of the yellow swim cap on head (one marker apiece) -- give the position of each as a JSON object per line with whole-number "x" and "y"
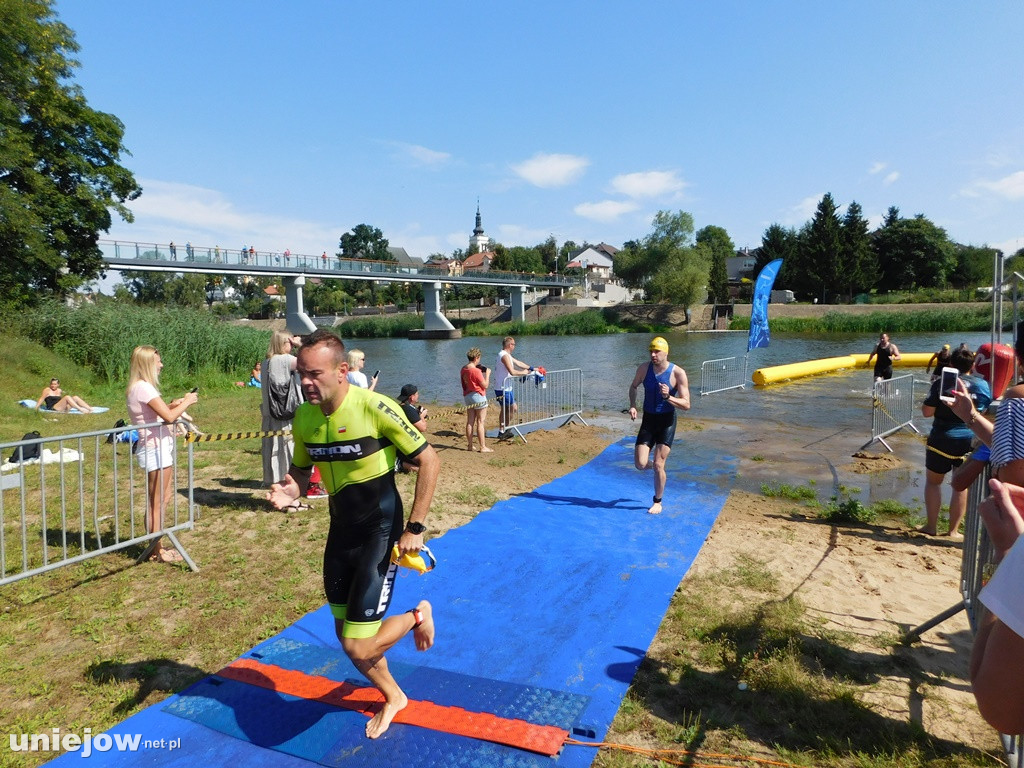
{"x": 945, "y": 346}
{"x": 659, "y": 344}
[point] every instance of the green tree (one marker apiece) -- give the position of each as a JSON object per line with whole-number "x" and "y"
{"x": 676, "y": 271}
{"x": 859, "y": 266}
{"x": 719, "y": 247}
{"x": 60, "y": 172}
{"x": 148, "y": 288}
{"x": 913, "y": 253}
{"x": 778, "y": 242}
{"x": 365, "y": 242}
{"x": 518, "y": 259}
{"x": 973, "y": 266}
{"x": 187, "y": 290}
{"x": 820, "y": 251}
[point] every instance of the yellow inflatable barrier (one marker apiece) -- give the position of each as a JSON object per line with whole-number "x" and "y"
{"x": 762, "y": 377}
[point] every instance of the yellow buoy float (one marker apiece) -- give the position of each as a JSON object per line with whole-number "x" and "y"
{"x": 762, "y": 377}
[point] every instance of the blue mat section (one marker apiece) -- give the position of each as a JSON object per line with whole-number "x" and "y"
{"x": 562, "y": 588}
{"x": 325, "y": 734}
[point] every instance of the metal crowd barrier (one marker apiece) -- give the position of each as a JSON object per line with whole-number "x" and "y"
{"x": 559, "y": 397}
{"x": 83, "y": 497}
{"x": 723, "y": 374}
{"x": 892, "y": 409}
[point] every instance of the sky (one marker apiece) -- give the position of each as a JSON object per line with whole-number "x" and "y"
{"x": 284, "y": 125}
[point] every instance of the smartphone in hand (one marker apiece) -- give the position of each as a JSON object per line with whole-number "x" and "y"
{"x": 376, "y": 374}
{"x": 948, "y": 384}
{"x": 194, "y": 389}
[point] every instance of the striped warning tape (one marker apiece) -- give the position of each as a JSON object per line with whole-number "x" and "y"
{"x": 195, "y": 437}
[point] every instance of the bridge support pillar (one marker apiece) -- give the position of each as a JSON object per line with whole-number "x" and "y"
{"x": 517, "y": 303}
{"x": 435, "y": 324}
{"x": 296, "y": 319}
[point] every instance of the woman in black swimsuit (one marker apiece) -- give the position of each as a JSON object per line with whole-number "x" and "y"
{"x": 54, "y": 399}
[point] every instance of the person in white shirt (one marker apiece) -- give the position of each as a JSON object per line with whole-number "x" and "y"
{"x": 507, "y": 366}
{"x": 997, "y": 658}
{"x": 356, "y": 361}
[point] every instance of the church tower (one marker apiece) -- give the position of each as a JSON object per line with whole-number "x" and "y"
{"x": 479, "y": 241}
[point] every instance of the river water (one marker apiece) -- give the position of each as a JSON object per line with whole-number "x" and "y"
{"x": 609, "y": 362}
{"x": 808, "y": 429}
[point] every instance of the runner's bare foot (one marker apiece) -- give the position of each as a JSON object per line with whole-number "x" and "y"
{"x": 485, "y": 449}
{"x": 380, "y": 722}
{"x": 655, "y": 508}
{"x": 424, "y": 633}
{"x": 924, "y": 529}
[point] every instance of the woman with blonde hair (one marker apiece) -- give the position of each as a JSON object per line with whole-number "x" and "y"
{"x": 475, "y": 381}
{"x": 156, "y": 444}
{"x": 356, "y": 361}
{"x": 277, "y": 372}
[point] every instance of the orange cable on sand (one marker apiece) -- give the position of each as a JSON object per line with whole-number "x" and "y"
{"x": 484, "y": 726}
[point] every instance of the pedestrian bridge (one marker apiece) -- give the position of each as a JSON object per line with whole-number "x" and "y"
{"x": 293, "y": 269}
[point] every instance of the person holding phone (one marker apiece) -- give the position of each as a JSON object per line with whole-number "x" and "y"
{"x": 949, "y": 441}
{"x": 356, "y": 362}
{"x": 157, "y": 445}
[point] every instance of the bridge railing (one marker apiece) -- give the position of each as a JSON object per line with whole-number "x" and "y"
{"x": 285, "y": 261}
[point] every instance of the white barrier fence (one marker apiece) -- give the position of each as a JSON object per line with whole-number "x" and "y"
{"x": 892, "y": 409}
{"x": 80, "y": 496}
{"x": 555, "y": 398}
{"x": 723, "y": 374}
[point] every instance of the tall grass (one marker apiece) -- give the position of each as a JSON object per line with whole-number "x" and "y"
{"x": 591, "y": 322}
{"x": 195, "y": 347}
{"x": 384, "y": 327}
{"x": 953, "y": 319}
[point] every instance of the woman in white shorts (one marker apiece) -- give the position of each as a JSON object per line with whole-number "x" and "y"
{"x": 475, "y": 381}
{"x": 156, "y": 445}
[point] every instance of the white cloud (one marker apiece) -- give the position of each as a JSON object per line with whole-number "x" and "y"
{"x": 877, "y": 168}
{"x": 543, "y": 170}
{"x": 606, "y": 210}
{"x": 423, "y": 155}
{"x": 648, "y": 184}
{"x": 1009, "y": 187}
{"x": 802, "y": 212}
{"x": 1011, "y": 246}
{"x": 514, "y": 234}
{"x": 207, "y": 217}
{"x": 890, "y": 178}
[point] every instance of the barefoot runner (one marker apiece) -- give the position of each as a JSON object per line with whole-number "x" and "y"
{"x": 665, "y": 390}
{"x": 351, "y": 435}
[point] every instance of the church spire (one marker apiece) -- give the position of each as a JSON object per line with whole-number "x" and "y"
{"x": 479, "y": 223}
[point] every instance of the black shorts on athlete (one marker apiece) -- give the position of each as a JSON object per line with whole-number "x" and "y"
{"x": 657, "y": 429}
{"x": 359, "y": 576}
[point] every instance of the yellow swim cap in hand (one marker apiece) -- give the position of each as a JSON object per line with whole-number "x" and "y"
{"x": 421, "y": 561}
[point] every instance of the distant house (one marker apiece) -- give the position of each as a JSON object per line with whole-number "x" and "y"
{"x": 271, "y": 292}
{"x": 405, "y": 261}
{"x": 450, "y": 267}
{"x": 595, "y": 259}
{"x": 478, "y": 262}
{"x": 741, "y": 265}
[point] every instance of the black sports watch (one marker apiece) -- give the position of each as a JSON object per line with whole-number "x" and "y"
{"x": 415, "y": 528}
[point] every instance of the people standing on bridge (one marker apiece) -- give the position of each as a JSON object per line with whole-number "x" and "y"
{"x": 353, "y": 437}
{"x": 476, "y": 379}
{"x": 940, "y": 360}
{"x": 216, "y": 253}
{"x": 244, "y": 255}
{"x": 276, "y": 379}
{"x": 666, "y": 390}
{"x": 252, "y": 255}
{"x": 507, "y": 366}
{"x": 886, "y": 352}
{"x": 323, "y": 259}
{"x": 188, "y": 250}
{"x": 356, "y": 363}
{"x": 156, "y": 444}
{"x": 287, "y": 257}
{"x": 174, "y": 251}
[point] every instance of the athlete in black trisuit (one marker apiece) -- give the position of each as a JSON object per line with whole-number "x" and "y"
{"x": 352, "y": 436}
{"x": 886, "y": 352}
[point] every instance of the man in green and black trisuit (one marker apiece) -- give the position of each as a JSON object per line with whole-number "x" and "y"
{"x": 352, "y": 436}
